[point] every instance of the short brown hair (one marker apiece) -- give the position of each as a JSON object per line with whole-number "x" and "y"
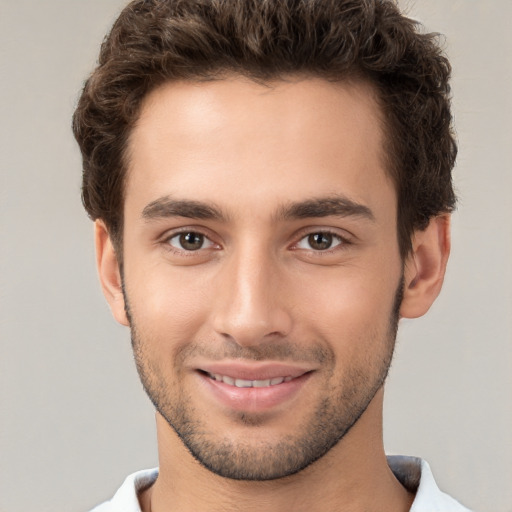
{"x": 155, "y": 41}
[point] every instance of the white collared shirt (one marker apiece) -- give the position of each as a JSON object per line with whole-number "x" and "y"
{"x": 413, "y": 473}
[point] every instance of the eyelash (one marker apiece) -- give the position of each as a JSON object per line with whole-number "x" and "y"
{"x": 342, "y": 242}
{"x": 184, "y": 252}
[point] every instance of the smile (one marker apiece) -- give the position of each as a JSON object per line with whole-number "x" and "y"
{"x": 254, "y": 388}
{"x": 244, "y": 383}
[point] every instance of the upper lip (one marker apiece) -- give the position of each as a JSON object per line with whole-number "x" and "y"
{"x": 254, "y": 370}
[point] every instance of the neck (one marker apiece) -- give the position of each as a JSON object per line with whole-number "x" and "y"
{"x": 353, "y": 476}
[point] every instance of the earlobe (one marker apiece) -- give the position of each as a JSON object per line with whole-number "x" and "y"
{"x": 425, "y": 267}
{"x": 109, "y": 273}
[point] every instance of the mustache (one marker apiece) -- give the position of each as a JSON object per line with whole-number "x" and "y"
{"x": 281, "y": 350}
{"x": 271, "y": 350}
{"x": 274, "y": 351}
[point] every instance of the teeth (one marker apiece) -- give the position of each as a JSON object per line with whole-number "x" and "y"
{"x": 243, "y": 383}
{"x": 261, "y": 383}
{"x": 227, "y": 380}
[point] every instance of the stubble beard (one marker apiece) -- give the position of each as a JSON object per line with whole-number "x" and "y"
{"x": 331, "y": 420}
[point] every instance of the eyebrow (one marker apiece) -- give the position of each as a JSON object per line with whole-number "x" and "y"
{"x": 167, "y": 207}
{"x": 335, "y": 205}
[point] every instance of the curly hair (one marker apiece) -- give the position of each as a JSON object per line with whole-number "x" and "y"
{"x": 155, "y": 41}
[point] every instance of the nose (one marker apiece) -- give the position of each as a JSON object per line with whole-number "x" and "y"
{"x": 251, "y": 305}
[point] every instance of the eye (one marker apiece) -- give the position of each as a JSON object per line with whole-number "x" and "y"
{"x": 320, "y": 241}
{"x": 189, "y": 241}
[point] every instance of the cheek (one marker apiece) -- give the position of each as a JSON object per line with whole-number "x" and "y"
{"x": 168, "y": 304}
{"x": 347, "y": 308}
{"x": 347, "y": 291}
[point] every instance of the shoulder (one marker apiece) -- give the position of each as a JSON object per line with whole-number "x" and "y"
{"x": 126, "y": 498}
{"x": 416, "y": 476}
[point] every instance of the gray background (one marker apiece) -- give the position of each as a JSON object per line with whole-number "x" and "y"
{"x": 73, "y": 418}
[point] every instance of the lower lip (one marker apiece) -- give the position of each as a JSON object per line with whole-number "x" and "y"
{"x": 254, "y": 399}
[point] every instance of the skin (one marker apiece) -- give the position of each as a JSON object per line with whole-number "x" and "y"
{"x": 260, "y": 291}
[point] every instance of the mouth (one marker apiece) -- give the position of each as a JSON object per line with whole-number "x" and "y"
{"x": 245, "y": 383}
{"x": 252, "y": 387}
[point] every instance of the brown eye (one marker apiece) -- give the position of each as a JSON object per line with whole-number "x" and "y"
{"x": 189, "y": 241}
{"x": 320, "y": 241}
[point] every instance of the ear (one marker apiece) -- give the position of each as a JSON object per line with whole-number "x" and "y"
{"x": 109, "y": 273}
{"x": 425, "y": 267}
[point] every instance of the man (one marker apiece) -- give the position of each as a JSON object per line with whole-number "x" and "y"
{"x": 271, "y": 188}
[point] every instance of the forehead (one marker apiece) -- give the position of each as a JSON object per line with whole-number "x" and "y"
{"x": 237, "y": 142}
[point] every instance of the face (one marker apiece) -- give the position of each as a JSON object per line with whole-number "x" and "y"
{"x": 262, "y": 276}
